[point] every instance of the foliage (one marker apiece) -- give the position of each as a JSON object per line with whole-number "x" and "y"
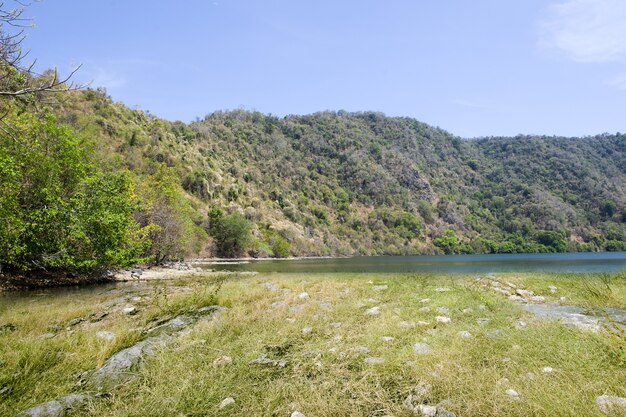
{"x": 231, "y": 233}
{"x": 448, "y": 242}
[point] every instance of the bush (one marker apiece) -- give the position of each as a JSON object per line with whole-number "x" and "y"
{"x": 231, "y": 233}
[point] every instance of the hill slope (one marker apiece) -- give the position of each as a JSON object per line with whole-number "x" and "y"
{"x": 346, "y": 183}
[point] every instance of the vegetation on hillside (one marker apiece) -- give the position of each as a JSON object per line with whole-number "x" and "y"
{"x": 87, "y": 182}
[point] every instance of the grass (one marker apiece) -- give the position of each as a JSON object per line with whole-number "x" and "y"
{"x": 326, "y": 374}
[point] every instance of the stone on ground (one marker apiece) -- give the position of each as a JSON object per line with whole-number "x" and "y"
{"x": 105, "y": 335}
{"x": 223, "y": 361}
{"x": 422, "y": 348}
{"x": 443, "y": 319}
{"x": 374, "y": 360}
{"x": 380, "y": 287}
{"x": 609, "y": 404}
{"x": 226, "y": 402}
{"x": 374, "y": 311}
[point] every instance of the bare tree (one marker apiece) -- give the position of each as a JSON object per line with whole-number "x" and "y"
{"x": 17, "y": 75}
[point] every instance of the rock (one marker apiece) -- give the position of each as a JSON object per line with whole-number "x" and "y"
{"x": 388, "y": 339}
{"x": 407, "y": 324}
{"x": 521, "y": 324}
{"x": 297, "y": 414}
{"x": 609, "y": 404}
{"x": 483, "y": 320}
{"x": 482, "y": 307}
{"x": 424, "y": 309}
{"x": 465, "y": 334}
{"x": 226, "y": 402}
{"x": 494, "y": 334}
{"x": 105, "y": 335}
{"x": 374, "y": 311}
{"x": 277, "y": 304}
{"x": 361, "y": 349}
{"x": 425, "y": 410}
{"x": 335, "y": 325}
{"x": 270, "y": 286}
{"x": 296, "y": 308}
{"x": 325, "y": 306}
{"x": 307, "y": 330}
{"x": 380, "y": 287}
{"x": 223, "y": 361}
{"x": 118, "y": 369}
{"x": 76, "y": 321}
{"x": 513, "y": 394}
{"x": 58, "y": 407}
{"x": 423, "y": 323}
{"x": 290, "y": 320}
{"x": 425, "y": 300}
{"x": 552, "y": 289}
{"x": 524, "y": 293}
{"x": 422, "y": 348}
{"x": 136, "y": 273}
{"x": 538, "y": 298}
{"x": 129, "y": 311}
{"x": 264, "y": 360}
{"x": 304, "y": 296}
{"x": 467, "y": 311}
{"x": 417, "y": 396}
{"x": 442, "y": 289}
{"x": 443, "y": 319}
{"x": 547, "y": 370}
{"x": 374, "y": 361}
{"x": 135, "y": 299}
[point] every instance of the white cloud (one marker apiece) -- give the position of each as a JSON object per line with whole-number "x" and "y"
{"x": 618, "y": 81}
{"x": 587, "y": 30}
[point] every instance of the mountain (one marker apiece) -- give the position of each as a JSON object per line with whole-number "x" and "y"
{"x": 338, "y": 183}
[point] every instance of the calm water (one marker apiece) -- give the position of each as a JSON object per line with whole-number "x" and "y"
{"x": 545, "y": 262}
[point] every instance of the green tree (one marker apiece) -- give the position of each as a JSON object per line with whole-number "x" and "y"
{"x": 231, "y": 233}
{"x": 449, "y": 241}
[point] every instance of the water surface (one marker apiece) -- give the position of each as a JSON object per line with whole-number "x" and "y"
{"x": 462, "y": 264}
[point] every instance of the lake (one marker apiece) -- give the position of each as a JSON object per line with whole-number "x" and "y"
{"x": 462, "y": 264}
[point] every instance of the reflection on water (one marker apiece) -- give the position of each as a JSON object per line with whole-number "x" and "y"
{"x": 544, "y": 262}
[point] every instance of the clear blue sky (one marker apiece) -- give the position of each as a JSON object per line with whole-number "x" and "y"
{"x": 474, "y": 68}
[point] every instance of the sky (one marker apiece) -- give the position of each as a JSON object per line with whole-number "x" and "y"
{"x": 474, "y": 68}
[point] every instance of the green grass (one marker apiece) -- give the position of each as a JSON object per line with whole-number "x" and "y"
{"x": 324, "y": 376}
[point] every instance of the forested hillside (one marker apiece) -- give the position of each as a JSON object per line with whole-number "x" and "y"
{"x": 87, "y": 182}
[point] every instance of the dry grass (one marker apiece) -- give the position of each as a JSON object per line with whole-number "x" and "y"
{"x": 326, "y": 374}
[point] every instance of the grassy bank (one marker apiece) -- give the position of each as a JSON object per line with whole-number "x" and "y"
{"x": 340, "y": 360}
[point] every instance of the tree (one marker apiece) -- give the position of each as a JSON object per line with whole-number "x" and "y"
{"x": 230, "y": 231}
{"x": 18, "y": 77}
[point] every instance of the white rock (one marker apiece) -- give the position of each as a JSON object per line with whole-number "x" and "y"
{"x": 388, "y": 339}
{"x": 304, "y": 296}
{"x": 424, "y": 309}
{"x": 426, "y": 410}
{"x": 290, "y": 320}
{"x": 227, "y": 401}
{"x": 380, "y": 287}
{"x": 547, "y": 370}
{"x": 374, "y": 311}
{"x": 297, "y": 414}
{"x": 129, "y": 310}
{"x": 483, "y": 320}
{"x": 105, "y": 335}
{"x": 422, "y": 348}
{"x": 442, "y": 289}
{"x": 524, "y": 293}
{"x": 512, "y": 393}
{"x": 443, "y": 310}
{"x": 335, "y": 325}
{"x": 465, "y": 334}
{"x": 425, "y": 300}
{"x": 467, "y": 310}
{"x": 407, "y": 324}
{"x": 374, "y": 361}
{"x": 538, "y": 298}
{"x": 307, "y": 330}
{"x": 443, "y": 319}
{"x": 609, "y": 404}
{"x": 482, "y": 307}
{"x": 552, "y": 289}
{"x": 223, "y": 361}
{"x": 361, "y": 349}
